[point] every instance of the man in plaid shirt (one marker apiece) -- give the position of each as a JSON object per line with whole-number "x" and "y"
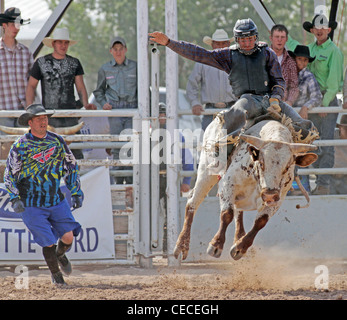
{"x": 279, "y": 37}
{"x": 16, "y": 60}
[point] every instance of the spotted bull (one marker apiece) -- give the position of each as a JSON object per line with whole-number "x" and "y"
{"x": 260, "y": 174}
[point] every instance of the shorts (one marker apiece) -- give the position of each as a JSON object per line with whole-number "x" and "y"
{"x": 47, "y": 225}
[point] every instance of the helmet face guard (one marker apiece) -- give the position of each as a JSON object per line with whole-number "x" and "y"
{"x": 246, "y": 28}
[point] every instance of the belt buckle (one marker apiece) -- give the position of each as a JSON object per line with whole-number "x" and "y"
{"x": 220, "y": 105}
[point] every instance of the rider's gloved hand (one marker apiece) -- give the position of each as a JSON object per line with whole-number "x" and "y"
{"x": 274, "y": 105}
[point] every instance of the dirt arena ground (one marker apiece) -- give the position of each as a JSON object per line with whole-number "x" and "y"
{"x": 254, "y": 277}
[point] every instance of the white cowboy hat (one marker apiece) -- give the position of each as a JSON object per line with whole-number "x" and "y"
{"x": 219, "y": 35}
{"x": 59, "y": 34}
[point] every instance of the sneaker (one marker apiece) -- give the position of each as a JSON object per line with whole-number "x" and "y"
{"x": 58, "y": 279}
{"x": 65, "y": 265}
{"x": 321, "y": 190}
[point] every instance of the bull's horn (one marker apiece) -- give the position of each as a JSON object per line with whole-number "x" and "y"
{"x": 13, "y": 130}
{"x": 257, "y": 142}
{"x": 67, "y": 130}
{"x": 302, "y": 147}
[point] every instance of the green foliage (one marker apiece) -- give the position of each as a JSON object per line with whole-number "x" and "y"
{"x": 94, "y": 22}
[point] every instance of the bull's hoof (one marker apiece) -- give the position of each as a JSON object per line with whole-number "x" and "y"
{"x": 214, "y": 251}
{"x": 235, "y": 253}
{"x": 178, "y": 251}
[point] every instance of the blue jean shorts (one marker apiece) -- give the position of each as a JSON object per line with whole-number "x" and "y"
{"x": 47, "y": 225}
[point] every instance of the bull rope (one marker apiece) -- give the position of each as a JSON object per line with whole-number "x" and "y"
{"x": 283, "y": 119}
{"x": 297, "y": 135}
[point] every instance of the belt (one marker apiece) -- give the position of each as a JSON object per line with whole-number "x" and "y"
{"x": 213, "y": 105}
{"x": 122, "y": 104}
{"x": 255, "y": 93}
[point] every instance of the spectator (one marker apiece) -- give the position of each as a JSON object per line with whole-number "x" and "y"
{"x": 279, "y": 37}
{"x": 16, "y": 61}
{"x": 35, "y": 166}
{"x": 328, "y": 70}
{"x": 309, "y": 93}
{"x": 117, "y": 89}
{"x": 338, "y": 184}
{"x": 210, "y": 86}
{"x": 59, "y": 73}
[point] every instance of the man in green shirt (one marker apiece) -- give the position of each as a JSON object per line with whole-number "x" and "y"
{"x": 328, "y": 70}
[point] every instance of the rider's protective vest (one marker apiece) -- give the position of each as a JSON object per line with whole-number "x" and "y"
{"x": 248, "y": 72}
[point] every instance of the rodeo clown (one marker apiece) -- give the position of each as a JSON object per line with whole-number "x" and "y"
{"x": 35, "y": 165}
{"x": 254, "y": 74}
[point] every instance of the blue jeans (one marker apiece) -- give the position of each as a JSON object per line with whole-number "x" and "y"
{"x": 326, "y": 155}
{"x": 206, "y": 120}
{"x": 117, "y": 125}
{"x": 250, "y": 106}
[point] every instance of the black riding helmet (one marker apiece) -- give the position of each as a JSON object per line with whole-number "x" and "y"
{"x": 245, "y": 28}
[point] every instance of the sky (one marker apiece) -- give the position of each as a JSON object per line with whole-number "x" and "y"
{"x": 36, "y": 10}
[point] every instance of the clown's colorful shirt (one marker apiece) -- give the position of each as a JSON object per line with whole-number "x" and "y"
{"x": 35, "y": 168}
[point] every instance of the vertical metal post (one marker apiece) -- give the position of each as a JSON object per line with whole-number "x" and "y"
{"x": 143, "y": 103}
{"x": 155, "y": 180}
{"x": 172, "y": 124}
{"x": 333, "y": 13}
{"x": 49, "y": 26}
{"x": 263, "y": 13}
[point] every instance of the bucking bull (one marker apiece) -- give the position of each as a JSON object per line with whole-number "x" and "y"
{"x": 259, "y": 176}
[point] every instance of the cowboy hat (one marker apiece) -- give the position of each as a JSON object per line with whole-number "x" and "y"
{"x": 219, "y": 35}
{"x": 58, "y": 34}
{"x": 319, "y": 21}
{"x": 343, "y": 121}
{"x": 34, "y": 110}
{"x": 301, "y": 51}
{"x": 12, "y": 15}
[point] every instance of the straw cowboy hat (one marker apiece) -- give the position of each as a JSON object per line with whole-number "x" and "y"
{"x": 319, "y": 21}
{"x": 219, "y": 35}
{"x": 58, "y": 34}
{"x": 12, "y": 15}
{"x": 301, "y": 51}
{"x": 34, "y": 110}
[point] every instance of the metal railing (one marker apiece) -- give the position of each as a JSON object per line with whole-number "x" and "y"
{"x": 320, "y": 143}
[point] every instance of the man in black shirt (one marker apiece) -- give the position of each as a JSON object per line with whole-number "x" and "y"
{"x": 59, "y": 73}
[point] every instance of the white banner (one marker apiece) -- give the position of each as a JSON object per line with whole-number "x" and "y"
{"x": 96, "y": 239}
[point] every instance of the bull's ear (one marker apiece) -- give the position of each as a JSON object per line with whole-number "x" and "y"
{"x": 306, "y": 159}
{"x": 254, "y": 152}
